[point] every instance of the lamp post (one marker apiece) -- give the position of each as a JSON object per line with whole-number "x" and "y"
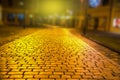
{"x": 70, "y": 17}
{"x": 21, "y": 3}
{"x": 1, "y": 15}
{"x": 110, "y": 13}
{"x": 31, "y": 19}
{"x": 85, "y": 24}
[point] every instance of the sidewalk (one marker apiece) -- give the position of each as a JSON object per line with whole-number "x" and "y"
{"x": 109, "y": 40}
{"x": 10, "y": 33}
{"x": 89, "y": 39}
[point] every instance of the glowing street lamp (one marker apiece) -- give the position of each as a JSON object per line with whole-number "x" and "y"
{"x": 51, "y": 6}
{"x": 68, "y": 17}
{"x": 70, "y": 12}
{"x": 21, "y": 3}
{"x": 31, "y": 15}
{"x": 50, "y": 17}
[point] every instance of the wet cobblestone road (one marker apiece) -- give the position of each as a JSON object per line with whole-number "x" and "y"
{"x": 54, "y": 54}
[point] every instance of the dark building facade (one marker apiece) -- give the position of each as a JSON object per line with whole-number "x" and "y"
{"x": 103, "y": 15}
{"x": 19, "y": 12}
{"x": 32, "y": 12}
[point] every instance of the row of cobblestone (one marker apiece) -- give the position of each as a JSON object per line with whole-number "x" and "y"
{"x": 54, "y": 54}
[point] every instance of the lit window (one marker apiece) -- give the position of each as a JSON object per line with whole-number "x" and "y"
{"x": 21, "y": 17}
{"x": 94, "y": 3}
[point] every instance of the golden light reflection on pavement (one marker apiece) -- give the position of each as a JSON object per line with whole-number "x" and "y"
{"x": 54, "y": 54}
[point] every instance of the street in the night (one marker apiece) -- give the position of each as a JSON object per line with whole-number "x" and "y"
{"x": 59, "y": 40}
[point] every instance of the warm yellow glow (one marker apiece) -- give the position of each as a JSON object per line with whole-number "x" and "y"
{"x": 52, "y": 6}
{"x": 53, "y": 50}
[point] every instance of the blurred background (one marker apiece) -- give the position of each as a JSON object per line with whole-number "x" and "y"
{"x": 103, "y": 15}
{"x": 98, "y": 20}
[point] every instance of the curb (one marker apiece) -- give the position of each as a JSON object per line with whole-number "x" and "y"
{"x": 98, "y": 42}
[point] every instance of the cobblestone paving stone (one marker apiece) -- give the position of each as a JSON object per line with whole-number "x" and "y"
{"x": 54, "y": 54}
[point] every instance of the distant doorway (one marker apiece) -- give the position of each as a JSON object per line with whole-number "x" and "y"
{"x": 96, "y": 23}
{"x": 21, "y": 19}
